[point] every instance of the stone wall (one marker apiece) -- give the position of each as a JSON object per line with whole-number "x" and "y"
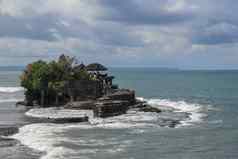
{"x": 110, "y": 108}
{"x": 84, "y": 89}
{"x": 122, "y": 95}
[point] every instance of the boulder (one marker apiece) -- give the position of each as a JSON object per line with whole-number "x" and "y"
{"x": 148, "y": 108}
{"x": 68, "y": 120}
{"x": 169, "y": 123}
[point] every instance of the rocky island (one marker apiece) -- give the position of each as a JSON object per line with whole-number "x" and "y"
{"x": 66, "y": 84}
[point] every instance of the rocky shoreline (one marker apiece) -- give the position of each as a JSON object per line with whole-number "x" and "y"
{"x": 115, "y": 104}
{"x": 65, "y": 84}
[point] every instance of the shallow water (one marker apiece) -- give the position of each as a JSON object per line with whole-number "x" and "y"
{"x": 205, "y": 103}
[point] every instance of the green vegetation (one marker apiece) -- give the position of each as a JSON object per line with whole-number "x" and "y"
{"x": 48, "y": 79}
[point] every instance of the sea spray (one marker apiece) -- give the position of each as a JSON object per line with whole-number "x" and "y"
{"x": 195, "y": 111}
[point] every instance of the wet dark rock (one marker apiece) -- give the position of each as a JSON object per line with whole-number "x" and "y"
{"x": 172, "y": 123}
{"x": 69, "y": 120}
{"x": 63, "y": 120}
{"x": 110, "y": 108}
{"x": 89, "y": 104}
{"x": 6, "y": 131}
{"x": 115, "y": 103}
{"x": 22, "y": 103}
{"x": 169, "y": 123}
{"x": 7, "y": 142}
{"x": 122, "y": 95}
{"x": 148, "y": 108}
{"x": 104, "y": 98}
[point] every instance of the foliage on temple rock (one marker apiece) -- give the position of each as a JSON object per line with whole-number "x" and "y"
{"x": 50, "y": 77}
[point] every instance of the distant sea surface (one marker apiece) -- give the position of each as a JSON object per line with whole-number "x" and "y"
{"x": 211, "y": 131}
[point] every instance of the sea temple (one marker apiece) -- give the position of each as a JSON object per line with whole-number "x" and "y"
{"x": 65, "y": 83}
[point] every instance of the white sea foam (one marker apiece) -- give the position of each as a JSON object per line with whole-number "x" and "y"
{"x": 131, "y": 119}
{"x": 45, "y": 136}
{"x": 196, "y": 111}
{"x": 11, "y": 94}
{"x": 10, "y": 89}
{"x": 9, "y": 100}
{"x": 48, "y": 138}
{"x": 55, "y": 112}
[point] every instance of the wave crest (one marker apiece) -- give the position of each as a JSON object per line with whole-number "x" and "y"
{"x": 44, "y": 136}
{"x": 11, "y": 89}
{"x": 196, "y": 111}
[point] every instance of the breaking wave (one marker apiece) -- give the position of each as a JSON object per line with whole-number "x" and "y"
{"x": 11, "y": 94}
{"x": 48, "y": 137}
{"x": 56, "y": 112}
{"x": 10, "y": 89}
{"x": 9, "y": 100}
{"x": 196, "y": 111}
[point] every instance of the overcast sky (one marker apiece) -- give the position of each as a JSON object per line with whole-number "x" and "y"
{"x": 200, "y": 34}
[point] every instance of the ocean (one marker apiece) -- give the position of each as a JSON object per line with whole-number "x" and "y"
{"x": 205, "y": 103}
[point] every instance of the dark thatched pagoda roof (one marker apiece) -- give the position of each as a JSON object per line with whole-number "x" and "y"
{"x": 95, "y": 67}
{"x": 78, "y": 68}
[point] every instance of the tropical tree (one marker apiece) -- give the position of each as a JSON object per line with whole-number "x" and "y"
{"x": 35, "y": 79}
{"x": 42, "y": 79}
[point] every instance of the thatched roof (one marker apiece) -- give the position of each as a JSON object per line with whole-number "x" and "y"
{"x": 110, "y": 77}
{"x": 79, "y": 67}
{"x": 96, "y": 67}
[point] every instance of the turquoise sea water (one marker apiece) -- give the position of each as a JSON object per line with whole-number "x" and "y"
{"x": 211, "y": 97}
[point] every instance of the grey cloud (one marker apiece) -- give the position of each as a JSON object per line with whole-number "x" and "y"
{"x": 220, "y": 33}
{"x": 134, "y": 28}
{"x": 151, "y": 12}
{"x": 30, "y": 28}
{"x": 50, "y": 28}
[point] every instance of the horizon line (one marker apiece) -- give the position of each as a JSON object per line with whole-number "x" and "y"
{"x": 146, "y": 66}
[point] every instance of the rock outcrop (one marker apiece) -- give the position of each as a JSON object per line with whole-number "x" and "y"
{"x": 68, "y": 120}
{"x": 148, "y": 108}
{"x": 88, "y": 104}
{"x": 121, "y": 95}
{"x": 60, "y": 120}
{"x": 114, "y": 103}
{"x": 6, "y": 131}
{"x": 109, "y": 108}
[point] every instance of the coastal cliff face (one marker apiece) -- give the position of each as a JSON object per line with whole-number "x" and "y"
{"x": 115, "y": 103}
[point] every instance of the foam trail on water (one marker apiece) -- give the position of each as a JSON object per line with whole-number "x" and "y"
{"x": 48, "y": 138}
{"x": 195, "y": 110}
{"x": 10, "y": 89}
{"x": 9, "y": 100}
{"x": 131, "y": 119}
{"x": 45, "y": 136}
{"x": 55, "y": 112}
